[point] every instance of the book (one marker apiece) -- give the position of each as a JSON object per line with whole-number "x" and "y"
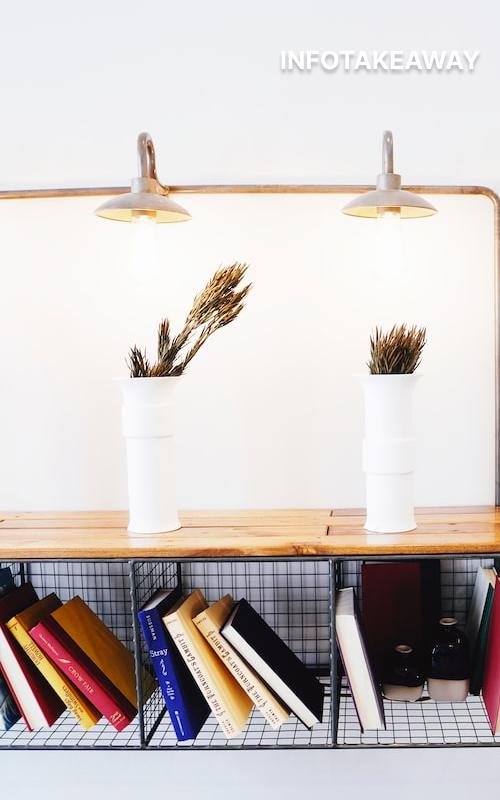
{"x": 430, "y": 590}
{"x": 185, "y": 703}
{"x": 73, "y": 699}
{"x": 401, "y": 604}
{"x": 491, "y": 682}
{"x": 210, "y": 622}
{"x": 227, "y": 700}
{"x": 275, "y": 663}
{"x": 485, "y": 578}
{"x": 478, "y": 657}
{"x": 92, "y": 657}
{"x": 39, "y": 704}
{"x": 9, "y": 712}
{"x": 353, "y": 651}
{"x": 6, "y": 580}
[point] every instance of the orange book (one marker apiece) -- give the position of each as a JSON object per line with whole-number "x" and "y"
{"x": 19, "y": 627}
{"x": 228, "y": 701}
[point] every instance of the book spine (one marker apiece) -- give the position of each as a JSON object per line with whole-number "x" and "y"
{"x": 6, "y": 643}
{"x": 158, "y": 643}
{"x": 54, "y": 677}
{"x": 188, "y": 652}
{"x": 15, "y": 698}
{"x": 82, "y": 677}
{"x": 236, "y": 668}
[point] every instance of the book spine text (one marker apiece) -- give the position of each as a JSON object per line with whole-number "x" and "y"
{"x": 186, "y": 649}
{"x": 81, "y": 677}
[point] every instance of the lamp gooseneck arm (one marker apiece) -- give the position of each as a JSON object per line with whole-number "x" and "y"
{"x": 146, "y": 156}
{"x": 147, "y": 162}
{"x": 387, "y": 152}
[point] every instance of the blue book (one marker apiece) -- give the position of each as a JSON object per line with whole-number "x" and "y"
{"x": 9, "y": 712}
{"x": 187, "y": 708}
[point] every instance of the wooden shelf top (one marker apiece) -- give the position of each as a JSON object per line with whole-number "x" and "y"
{"x": 278, "y": 532}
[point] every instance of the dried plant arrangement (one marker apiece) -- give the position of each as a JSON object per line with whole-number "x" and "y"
{"x": 216, "y": 306}
{"x": 397, "y": 352}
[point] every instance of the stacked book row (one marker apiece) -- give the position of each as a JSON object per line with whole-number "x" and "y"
{"x": 224, "y": 659}
{"x": 56, "y": 656}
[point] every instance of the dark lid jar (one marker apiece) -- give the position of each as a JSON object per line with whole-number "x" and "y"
{"x": 449, "y": 652}
{"x": 402, "y": 668}
{"x": 403, "y": 679}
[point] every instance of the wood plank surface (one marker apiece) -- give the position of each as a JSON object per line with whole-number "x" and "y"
{"x": 246, "y": 533}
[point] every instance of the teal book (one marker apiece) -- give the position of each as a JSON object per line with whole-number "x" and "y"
{"x": 479, "y": 654}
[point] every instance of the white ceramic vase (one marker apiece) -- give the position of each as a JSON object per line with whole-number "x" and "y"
{"x": 389, "y": 452}
{"x": 148, "y": 428}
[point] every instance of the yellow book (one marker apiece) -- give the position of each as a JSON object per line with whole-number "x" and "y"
{"x": 229, "y": 702}
{"x": 210, "y": 622}
{"x": 19, "y": 626}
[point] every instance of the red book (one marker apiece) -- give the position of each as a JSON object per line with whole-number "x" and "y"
{"x": 37, "y": 701}
{"x": 82, "y": 670}
{"x": 392, "y": 608}
{"x": 491, "y": 681}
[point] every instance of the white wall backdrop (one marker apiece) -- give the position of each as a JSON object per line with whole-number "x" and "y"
{"x": 270, "y": 412}
{"x": 78, "y": 82}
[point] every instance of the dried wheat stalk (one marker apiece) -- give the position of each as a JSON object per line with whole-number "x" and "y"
{"x": 216, "y": 306}
{"x": 397, "y": 352}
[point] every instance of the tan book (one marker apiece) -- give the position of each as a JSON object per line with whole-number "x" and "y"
{"x": 74, "y": 700}
{"x": 229, "y": 703}
{"x": 210, "y": 622}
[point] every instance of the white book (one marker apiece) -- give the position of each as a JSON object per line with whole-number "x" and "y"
{"x": 364, "y": 689}
{"x": 210, "y": 622}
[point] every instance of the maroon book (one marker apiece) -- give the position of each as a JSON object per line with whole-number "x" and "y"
{"x": 83, "y": 672}
{"x": 491, "y": 681}
{"x": 392, "y": 608}
{"x": 37, "y": 701}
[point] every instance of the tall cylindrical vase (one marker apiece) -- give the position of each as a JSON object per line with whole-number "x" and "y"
{"x": 389, "y": 452}
{"x": 148, "y": 428}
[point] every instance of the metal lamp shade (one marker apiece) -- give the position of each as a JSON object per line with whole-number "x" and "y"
{"x": 132, "y": 206}
{"x": 373, "y": 204}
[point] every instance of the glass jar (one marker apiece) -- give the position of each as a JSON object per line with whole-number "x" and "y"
{"x": 403, "y": 679}
{"x": 449, "y": 670}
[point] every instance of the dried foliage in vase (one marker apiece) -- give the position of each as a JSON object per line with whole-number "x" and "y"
{"x": 219, "y": 303}
{"x": 397, "y": 352}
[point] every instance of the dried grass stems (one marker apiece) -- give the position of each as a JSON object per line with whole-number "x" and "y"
{"x": 219, "y": 303}
{"x": 397, "y": 352}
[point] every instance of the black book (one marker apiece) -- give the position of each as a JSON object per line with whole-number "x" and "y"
{"x": 276, "y": 664}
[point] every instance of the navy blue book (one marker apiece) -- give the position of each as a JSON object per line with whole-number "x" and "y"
{"x": 187, "y": 708}
{"x": 9, "y": 712}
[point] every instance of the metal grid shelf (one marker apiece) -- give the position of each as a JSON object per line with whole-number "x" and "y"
{"x": 423, "y": 723}
{"x": 67, "y": 734}
{"x": 296, "y": 597}
{"x": 257, "y": 734}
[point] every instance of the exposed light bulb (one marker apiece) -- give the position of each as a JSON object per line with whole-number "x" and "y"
{"x": 389, "y": 213}
{"x": 143, "y": 217}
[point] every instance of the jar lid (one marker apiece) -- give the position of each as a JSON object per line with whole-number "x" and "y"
{"x": 403, "y": 648}
{"x": 448, "y": 621}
